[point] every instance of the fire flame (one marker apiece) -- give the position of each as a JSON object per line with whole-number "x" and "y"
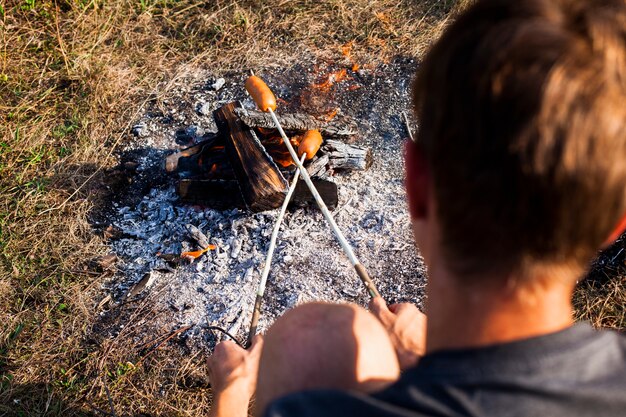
{"x": 197, "y": 253}
{"x": 332, "y": 79}
{"x": 346, "y": 50}
{"x": 331, "y": 115}
{"x": 278, "y": 151}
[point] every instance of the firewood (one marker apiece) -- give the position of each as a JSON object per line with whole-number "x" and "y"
{"x": 339, "y": 126}
{"x": 218, "y": 194}
{"x": 225, "y": 194}
{"x": 342, "y": 156}
{"x": 172, "y": 161}
{"x": 326, "y": 188}
{"x": 317, "y": 167}
{"x": 261, "y": 183}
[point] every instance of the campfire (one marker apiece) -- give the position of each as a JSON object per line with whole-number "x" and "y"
{"x": 246, "y": 164}
{"x": 193, "y": 244}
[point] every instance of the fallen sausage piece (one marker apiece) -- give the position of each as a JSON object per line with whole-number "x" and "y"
{"x": 310, "y": 144}
{"x": 260, "y": 93}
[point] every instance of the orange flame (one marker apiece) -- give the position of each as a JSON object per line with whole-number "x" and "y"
{"x": 346, "y": 49}
{"x": 278, "y": 151}
{"x": 332, "y": 79}
{"x": 284, "y": 160}
{"x": 197, "y": 253}
{"x": 331, "y": 115}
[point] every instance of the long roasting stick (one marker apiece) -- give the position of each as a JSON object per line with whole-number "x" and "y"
{"x": 358, "y": 267}
{"x": 266, "y": 101}
{"x": 270, "y": 253}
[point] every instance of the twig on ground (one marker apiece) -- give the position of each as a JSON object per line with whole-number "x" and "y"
{"x": 159, "y": 344}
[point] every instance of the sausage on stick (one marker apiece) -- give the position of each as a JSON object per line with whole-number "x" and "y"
{"x": 267, "y": 102}
{"x": 260, "y": 93}
{"x": 310, "y": 144}
{"x": 256, "y": 313}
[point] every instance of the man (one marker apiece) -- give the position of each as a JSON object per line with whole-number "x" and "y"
{"x": 516, "y": 181}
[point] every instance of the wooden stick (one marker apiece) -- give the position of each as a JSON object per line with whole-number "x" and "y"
{"x": 408, "y": 126}
{"x": 359, "y": 268}
{"x": 256, "y": 313}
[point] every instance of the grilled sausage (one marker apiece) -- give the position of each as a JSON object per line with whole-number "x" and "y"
{"x": 310, "y": 144}
{"x": 261, "y": 93}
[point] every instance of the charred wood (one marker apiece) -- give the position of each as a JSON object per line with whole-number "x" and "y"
{"x": 318, "y": 166}
{"x": 225, "y": 194}
{"x": 218, "y": 194}
{"x": 327, "y": 189}
{"x": 339, "y": 126}
{"x": 262, "y": 185}
{"x": 342, "y": 156}
{"x": 172, "y": 161}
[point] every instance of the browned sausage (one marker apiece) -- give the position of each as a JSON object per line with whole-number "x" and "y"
{"x": 261, "y": 93}
{"x": 310, "y": 144}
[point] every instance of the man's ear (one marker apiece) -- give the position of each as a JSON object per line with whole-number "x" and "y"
{"x": 417, "y": 180}
{"x": 617, "y": 232}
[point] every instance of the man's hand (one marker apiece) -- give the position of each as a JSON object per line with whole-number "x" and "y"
{"x": 407, "y": 329}
{"x": 233, "y": 374}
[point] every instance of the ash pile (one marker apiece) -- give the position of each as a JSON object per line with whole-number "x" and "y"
{"x": 198, "y": 253}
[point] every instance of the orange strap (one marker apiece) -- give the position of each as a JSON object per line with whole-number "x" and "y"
{"x": 617, "y": 232}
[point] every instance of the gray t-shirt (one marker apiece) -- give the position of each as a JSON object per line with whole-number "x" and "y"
{"x": 574, "y": 372}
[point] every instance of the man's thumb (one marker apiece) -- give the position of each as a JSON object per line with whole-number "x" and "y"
{"x": 379, "y": 308}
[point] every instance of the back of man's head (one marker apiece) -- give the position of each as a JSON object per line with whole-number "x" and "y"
{"x": 522, "y": 112}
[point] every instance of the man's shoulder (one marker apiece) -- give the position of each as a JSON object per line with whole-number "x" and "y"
{"x": 573, "y": 372}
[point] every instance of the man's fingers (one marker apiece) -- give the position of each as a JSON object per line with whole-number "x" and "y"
{"x": 405, "y": 308}
{"x": 224, "y": 346}
{"x": 377, "y": 304}
{"x": 257, "y": 344}
{"x": 378, "y": 307}
{"x": 394, "y": 308}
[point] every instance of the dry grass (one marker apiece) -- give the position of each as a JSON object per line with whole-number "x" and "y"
{"x": 601, "y": 298}
{"x": 73, "y": 74}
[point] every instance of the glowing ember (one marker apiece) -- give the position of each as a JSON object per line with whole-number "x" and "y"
{"x": 198, "y": 253}
{"x": 346, "y": 50}
{"x": 331, "y": 115}
{"x": 278, "y": 151}
{"x": 332, "y": 79}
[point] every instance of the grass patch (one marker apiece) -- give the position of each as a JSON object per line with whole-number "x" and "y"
{"x": 72, "y": 76}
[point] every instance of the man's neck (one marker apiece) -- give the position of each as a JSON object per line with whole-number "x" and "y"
{"x": 481, "y": 314}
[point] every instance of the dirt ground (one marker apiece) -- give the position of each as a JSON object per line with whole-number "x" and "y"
{"x": 75, "y": 77}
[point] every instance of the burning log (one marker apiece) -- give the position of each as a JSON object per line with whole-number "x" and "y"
{"x": 342, "y": 156}
{"x": 225, "y": 194}
{"x": 337, "y": 127}
{"x": 262, "y": 185}
{"x": 317, "y": 167}
{"x": 219, "y": 194}
{"x": 326, "y": 188}
{"x": 207, "y": 159}
{"x": 233, "y": 169}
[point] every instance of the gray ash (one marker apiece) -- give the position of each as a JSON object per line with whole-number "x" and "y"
{"x": 219, "y": 287}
